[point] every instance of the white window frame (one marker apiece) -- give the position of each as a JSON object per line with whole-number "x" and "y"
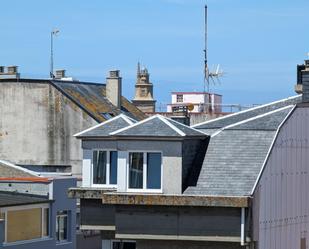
{"x": 25, "y": 207}
{"x": 107, "y": 184}
{"x": 144, "y": 189}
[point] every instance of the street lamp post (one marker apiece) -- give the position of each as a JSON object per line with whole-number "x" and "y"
{"x": 54, "y": 32}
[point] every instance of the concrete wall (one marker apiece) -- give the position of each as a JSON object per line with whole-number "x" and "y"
{"x": 281, "y": 201}
{"x": 172, "y": 159}
{"x": 24, "y": 187}
{"x": 37, "y": 123}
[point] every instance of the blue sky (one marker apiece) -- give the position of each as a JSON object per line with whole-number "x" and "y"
{"x": 257, "y": 43}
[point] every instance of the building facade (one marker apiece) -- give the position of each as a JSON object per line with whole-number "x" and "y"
{"x": 35, "y": 211}
{"x": 39, "y": 118}
{"x": 239, "y": 181}
{"x": 198, "y": 102}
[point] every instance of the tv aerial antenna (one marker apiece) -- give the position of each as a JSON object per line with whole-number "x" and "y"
{"x": 214, "y": 75}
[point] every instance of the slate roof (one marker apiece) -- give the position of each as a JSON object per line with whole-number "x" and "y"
{"x": 9, "y": 199}
{"x": 236, "y": 153}
{"x": 246, "y": 114}
{"x": 91, "y": 97}
{"x": 105, "y": 128}
{"x": 158, "y": 126}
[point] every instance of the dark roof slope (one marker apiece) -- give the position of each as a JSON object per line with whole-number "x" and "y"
{"x": 91, "y": 97}
{"x": 235, "y": 156}
{"x": 232, "y": 163}
{"x": 158, "y": 126}
{"x": 8, "y": 199}
{"x": 105, "y": 128}
{"x": 268, "y": 122}
{"x": 246, "y": 114}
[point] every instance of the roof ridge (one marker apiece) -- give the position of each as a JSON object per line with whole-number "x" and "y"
{"x": 187, "y": 126}
{"x": 8, "y": 164}
{"x": 244, "y": 111}
{"x": 181, "y": 133}
{"x": 99, "y": 125}
{"x": 250, "y": 119}
{"x": 270, "y": 150}
{"x": 133, "y": 125}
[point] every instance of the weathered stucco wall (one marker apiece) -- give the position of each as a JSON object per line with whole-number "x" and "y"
{"x": 281, "y": 201}
{"x": 37, "y": 124}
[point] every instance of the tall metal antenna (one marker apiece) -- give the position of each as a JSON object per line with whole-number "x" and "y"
{"x": 206, "y": 71}
{"x": 217, "y": 72}
{"x": 52, "y": 34}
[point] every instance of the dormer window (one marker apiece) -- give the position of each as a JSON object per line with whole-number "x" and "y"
{"x": 144, "y": 171}
{"x": 104, "y": 167}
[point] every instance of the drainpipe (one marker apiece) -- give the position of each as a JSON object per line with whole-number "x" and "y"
{"x": 242, "y": 227}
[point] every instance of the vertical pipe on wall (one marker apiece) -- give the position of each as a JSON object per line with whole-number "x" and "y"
{"x": 242, "y": 227}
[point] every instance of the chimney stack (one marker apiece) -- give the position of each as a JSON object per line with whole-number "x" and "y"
{"x": 113, "y": 88}
{"x": 302, "y": 86}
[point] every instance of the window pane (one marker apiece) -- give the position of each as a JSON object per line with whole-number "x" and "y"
{"x": 46, "y": 222}
{"x": 62, "y": 226}
{"x": 113, "y": 167}
{"x": 18, "y": 219}
{"x": 136, "y": 170}
{"x": 153, "y": 170}
{"x": 99, "y": 167}
{"x": 123, "y": 245}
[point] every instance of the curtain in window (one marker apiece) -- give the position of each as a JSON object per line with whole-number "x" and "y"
{"x": 99, "y": 167}
{"x": 136, "y": 170}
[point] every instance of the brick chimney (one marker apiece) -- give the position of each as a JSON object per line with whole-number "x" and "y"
{"x": 113, "y": 88}
{"x": 302, "y": 85}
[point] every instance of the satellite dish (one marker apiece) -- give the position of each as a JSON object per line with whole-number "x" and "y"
{"x": 190, "y": 107}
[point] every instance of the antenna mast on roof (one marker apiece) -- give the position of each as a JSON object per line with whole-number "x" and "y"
{"x": 214, "y": 75}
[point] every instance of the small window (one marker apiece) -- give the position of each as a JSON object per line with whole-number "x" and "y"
{"x": 179, "y": 98}
{"x": 105, "y": 167}
{"x": 136, "y": 170}
{"x": 123, "y": 245}
{"x": 62, "y": 226}
{"x": 145, "y": 170}
{"x": 45, "y": 230}
{"x": 33, "y": 218}
{"x": 99, "y": 167}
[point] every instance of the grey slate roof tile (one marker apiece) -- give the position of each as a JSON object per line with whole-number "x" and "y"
{"x": 236, "y": 154}
{"x": 105, "y": 128}
{"x": 158, "y": 126}
{"x": 243, "y": 115}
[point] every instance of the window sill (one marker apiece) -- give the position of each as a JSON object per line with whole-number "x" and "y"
{"x": 145, "y": 191}
{"x": 26, "y": 241}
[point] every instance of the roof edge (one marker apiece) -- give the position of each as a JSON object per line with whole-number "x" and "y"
{"x": 270, "y": 150}
{"x": 244, "y": 111}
